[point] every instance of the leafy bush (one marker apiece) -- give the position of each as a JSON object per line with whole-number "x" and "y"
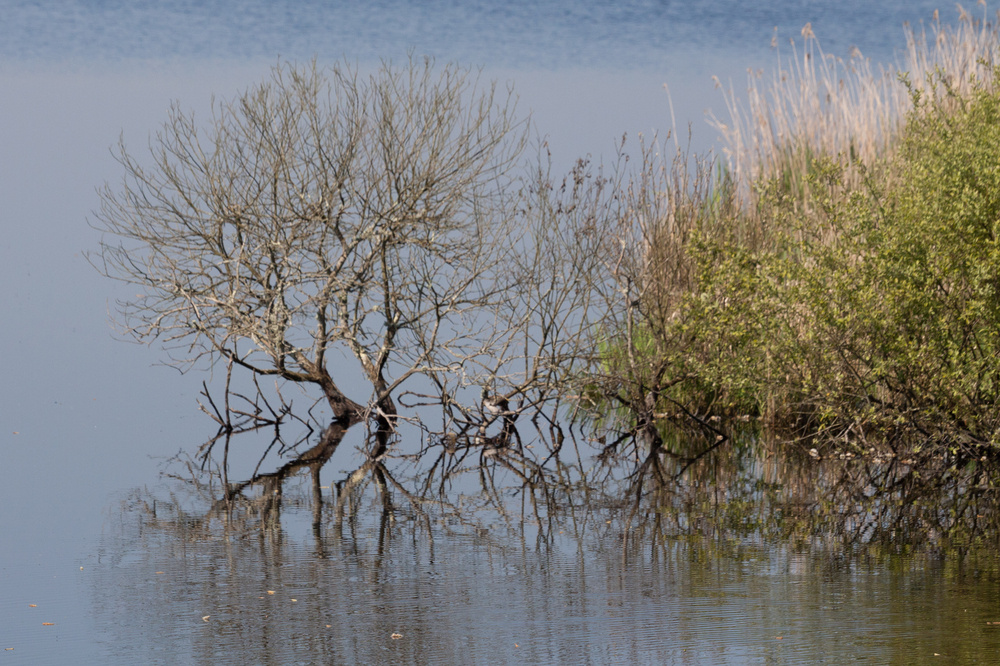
{"x": 879, "y": 312}
{"x": 839, "y": 274}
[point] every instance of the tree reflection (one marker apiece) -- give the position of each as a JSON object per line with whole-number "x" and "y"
{"x": 390, "y": 545}
{"x": 709, "y": 480}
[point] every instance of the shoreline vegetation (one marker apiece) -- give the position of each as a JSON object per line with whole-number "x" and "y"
{"x": 830, "y": 290}
{"x": 837, "y": 275}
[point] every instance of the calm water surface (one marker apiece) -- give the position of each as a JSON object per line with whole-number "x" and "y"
{"x": 87, "y": 523}
{"x": 511, "y": 589}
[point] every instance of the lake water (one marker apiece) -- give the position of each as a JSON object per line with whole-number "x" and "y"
{"x": 131, "y": 567}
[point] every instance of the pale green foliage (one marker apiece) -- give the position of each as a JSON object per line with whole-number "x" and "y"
{"x": 850, "y": 289}
{"x": 883, "y": 317}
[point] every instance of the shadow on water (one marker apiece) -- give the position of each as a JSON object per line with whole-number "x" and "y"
{"x": 511, "y": 549}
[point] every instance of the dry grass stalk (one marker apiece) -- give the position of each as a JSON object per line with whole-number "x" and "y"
{"x": 816, "y": 104}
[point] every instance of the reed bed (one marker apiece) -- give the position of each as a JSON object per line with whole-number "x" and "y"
{"x": 815, "y": 104}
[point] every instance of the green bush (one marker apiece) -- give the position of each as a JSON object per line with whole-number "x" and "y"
{"x": 879, "y": 310}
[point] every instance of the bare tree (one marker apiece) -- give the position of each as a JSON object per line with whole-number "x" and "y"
{"x": 393, "y": 219}
{"x": 319, "y": 212}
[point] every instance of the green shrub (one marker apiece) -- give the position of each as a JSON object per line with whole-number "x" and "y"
{"x": 841, "y": 276}
{"x": 880, "y": 311}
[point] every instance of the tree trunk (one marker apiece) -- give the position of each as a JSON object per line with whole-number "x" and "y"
{"x": 344, "y": 409}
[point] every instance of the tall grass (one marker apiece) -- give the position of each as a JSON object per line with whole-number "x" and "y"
{"x": 815, "y": 104}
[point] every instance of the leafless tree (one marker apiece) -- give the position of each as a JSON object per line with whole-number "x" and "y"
{"x": 392, "y": 218}
{"x": 324, "y": 211}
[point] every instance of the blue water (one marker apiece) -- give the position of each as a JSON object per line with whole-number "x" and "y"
{"x": 85, "y": 418}
{"x": 641, "y": 34}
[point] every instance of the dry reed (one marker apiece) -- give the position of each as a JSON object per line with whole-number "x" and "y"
{"x": 816, "y": 104}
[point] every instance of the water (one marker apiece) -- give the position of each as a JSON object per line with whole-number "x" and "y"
{"x": 478, "y": 586}
{"x": 641, "y": 34}
{"x": 85, "y": 420}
